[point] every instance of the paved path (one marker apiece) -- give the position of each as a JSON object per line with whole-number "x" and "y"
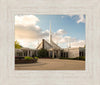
{"x": 53, "y": 64}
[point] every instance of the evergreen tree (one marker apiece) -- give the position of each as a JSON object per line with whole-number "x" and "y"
{"x": 43, "y": 53}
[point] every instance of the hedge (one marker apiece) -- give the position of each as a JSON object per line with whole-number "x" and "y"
{"x": 77, "y": 58}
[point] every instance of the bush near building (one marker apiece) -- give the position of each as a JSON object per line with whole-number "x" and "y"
{"x": 25, "y": 60}
{"x": 36, "y": 58}
{"x": 28, "y": 58}
{"x": 42, "y": 53}
{"x": 82, "y": 58}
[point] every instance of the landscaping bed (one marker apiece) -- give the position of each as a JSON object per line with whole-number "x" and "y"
{"x": 45, "y": 58}
{"x": 25, "y": 60}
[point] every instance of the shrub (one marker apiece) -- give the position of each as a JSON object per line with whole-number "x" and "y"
{"x": 36, "y": 58}
{"x": 62, "y": 58}
{"x": 82, "y": 58}
{"x": 77, "y": 58}
{"x": 28, "y": 58}
{"x": 19, "y": 58}
{"x": 42, "y": 53}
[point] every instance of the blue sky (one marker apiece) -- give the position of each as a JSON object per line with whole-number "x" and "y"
{"x": 31, "y": 29}
{"x": 65, "y": 22}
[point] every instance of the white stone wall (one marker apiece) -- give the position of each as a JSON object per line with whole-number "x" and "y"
{"x": 73, "y": 52}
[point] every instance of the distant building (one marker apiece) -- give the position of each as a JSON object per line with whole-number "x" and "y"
{"x": 54, "y": 51}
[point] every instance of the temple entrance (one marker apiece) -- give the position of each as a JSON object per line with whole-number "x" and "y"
{"x": 50, "y": 54}
{"x": 56, "y": 54}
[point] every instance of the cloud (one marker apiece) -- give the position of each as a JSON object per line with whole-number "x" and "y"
{"x": 64, "y": 41}
{"x": 61, "y": 39}
{"x": 26, "y": 28}
{"x": 61, "y": 32}
{"x": 29, "y": 34}
{"x": 79, "y": 43}
{"x": 71, "y": 15}
{"x": 78, "y": 18}
{"x": 26, "y": 20}
{"x": 81, "y": 19}
{"x": 58, "y": 35}
{"x": 62, "y": 17}
{"x": 31, "y": 37}
{"x": 29, "y": 43}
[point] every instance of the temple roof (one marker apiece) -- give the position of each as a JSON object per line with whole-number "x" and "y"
{"x": 51, "y": 45}
{"x": 44, "y": 44}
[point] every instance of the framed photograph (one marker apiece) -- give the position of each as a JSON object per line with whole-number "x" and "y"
{"x": 49, "y": 42}
{"x": 42, "y": 45}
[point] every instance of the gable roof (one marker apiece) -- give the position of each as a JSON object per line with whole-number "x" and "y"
{"x": 44, "y": 44}
{"x": 54, "y": 45}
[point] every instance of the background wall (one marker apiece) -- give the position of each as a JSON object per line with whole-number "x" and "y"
{"x": 9, "y": 8}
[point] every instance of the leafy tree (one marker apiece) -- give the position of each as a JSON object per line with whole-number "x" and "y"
{"x": 17, "y": 45}
{"x": 43, "y": 53}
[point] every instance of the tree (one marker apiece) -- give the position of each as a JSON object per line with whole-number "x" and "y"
{"x": 43, "y": 53}
{"x": 17, "y": 45}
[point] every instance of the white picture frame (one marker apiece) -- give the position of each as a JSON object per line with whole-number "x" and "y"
{"x": 10, "y": 76}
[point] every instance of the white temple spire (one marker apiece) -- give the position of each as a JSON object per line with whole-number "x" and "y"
{"x": 50, "y": 34}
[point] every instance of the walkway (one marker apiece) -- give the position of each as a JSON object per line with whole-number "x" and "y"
{"x": 53, "y": 64}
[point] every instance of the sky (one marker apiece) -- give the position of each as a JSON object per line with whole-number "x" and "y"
{"x": 66, "y": 30}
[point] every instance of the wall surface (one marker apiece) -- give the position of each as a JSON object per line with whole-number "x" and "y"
{"x": 73, "y": 52}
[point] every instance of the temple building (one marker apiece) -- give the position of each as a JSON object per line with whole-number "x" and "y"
{"x": 54, "y": 51}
